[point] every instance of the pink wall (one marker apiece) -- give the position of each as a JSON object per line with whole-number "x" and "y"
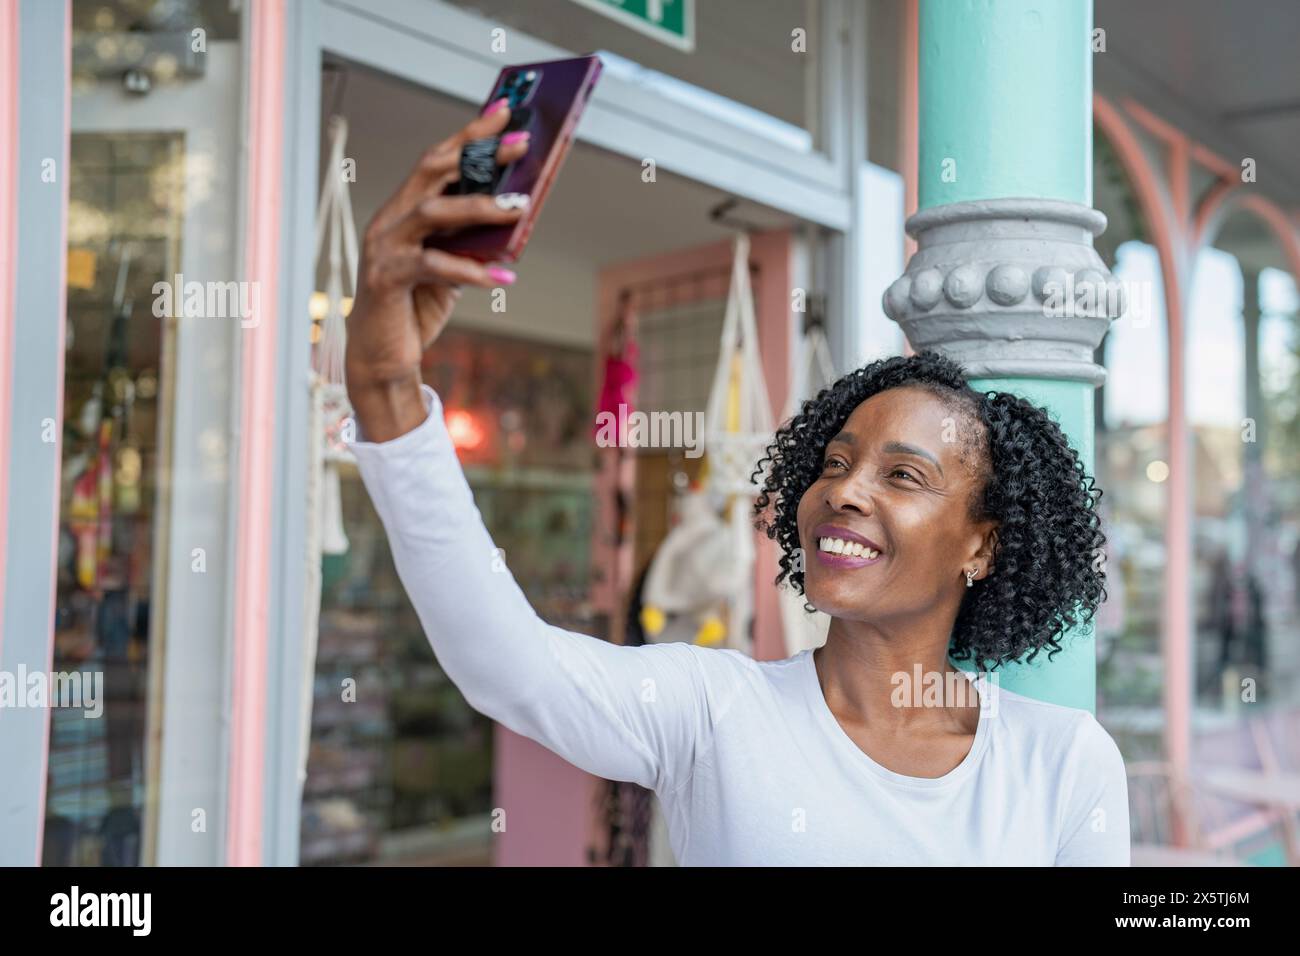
{"x": 547, "y": 801}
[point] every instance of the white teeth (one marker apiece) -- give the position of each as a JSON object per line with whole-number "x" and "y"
{"x": 852, "y": 548}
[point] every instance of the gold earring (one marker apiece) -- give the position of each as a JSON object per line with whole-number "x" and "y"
{"x": 970, "y": 577}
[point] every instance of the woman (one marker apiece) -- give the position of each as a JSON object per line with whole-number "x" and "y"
{"x": 929, "y": 520}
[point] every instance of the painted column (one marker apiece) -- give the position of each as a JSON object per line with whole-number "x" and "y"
{"x": 1005, "y": 278}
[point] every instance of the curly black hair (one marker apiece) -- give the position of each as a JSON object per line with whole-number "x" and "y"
{"x": 1048, "y": 573}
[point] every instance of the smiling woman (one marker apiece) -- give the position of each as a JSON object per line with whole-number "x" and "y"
{"x": 851, "y": 773}
{"x": 1001, "y": 548}
{"x": 945, "y": 521}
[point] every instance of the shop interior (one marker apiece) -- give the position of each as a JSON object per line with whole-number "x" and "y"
{"x": 408, "y": 777}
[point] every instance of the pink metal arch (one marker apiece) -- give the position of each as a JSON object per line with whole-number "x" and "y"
{"x": 1227, "y": 198}
{"x": 1161, "y": 212}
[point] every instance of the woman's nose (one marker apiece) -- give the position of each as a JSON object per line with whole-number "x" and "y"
{"x": 850, "y": 493}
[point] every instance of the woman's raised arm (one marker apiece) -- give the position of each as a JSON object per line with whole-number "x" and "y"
{"x": 625, "y": 713}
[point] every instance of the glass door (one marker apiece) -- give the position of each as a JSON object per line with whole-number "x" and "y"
{"x": 151, "y": 339}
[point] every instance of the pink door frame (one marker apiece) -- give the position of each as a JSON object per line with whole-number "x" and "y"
{"x": 771, "y": 253}
{"x": 252, "y": 637}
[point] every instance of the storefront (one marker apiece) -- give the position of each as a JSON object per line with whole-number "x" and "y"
{"x": 160, "y": 486}
{"x": 196, "y": 143}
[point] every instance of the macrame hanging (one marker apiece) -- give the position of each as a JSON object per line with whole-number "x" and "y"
{"x": 738, "y": 427}
{"x": 699, "y": 585}
{"x": 815, "y": 371}
{"x": 330, "y": 422}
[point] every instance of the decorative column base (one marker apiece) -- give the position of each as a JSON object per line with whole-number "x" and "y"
{"x": 1009, "y": 288}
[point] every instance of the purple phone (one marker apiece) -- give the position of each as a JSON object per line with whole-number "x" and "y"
{"x": 546, "y": 99}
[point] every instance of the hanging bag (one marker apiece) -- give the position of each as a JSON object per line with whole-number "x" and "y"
{"x": 738, "y": 427}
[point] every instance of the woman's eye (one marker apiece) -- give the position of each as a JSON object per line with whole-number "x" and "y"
{"x": 831, "y": 461}
{"x": 905, "y": 474}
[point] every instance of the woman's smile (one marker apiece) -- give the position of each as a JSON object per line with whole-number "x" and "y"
{"x": 838, "y": 547}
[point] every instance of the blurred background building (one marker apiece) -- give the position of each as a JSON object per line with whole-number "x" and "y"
{"x": 155, "y": 506}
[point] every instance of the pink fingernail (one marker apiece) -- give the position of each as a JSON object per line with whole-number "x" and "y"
{"x": 517, "y": 136}
{"x": 494, "y": 106}
{"x": 504, "y": 276}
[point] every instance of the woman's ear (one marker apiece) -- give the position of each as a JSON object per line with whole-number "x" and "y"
{"x": 988, "y": 551}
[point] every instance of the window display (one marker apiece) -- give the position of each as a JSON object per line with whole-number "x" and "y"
{"x": 400, "y": 766}
{"x": 110, "y": 469}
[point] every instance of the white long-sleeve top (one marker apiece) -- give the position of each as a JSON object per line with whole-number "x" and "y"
{"x": 748, "y": 762}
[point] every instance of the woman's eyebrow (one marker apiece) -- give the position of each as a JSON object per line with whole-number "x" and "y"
{"x": 905, "y": 449}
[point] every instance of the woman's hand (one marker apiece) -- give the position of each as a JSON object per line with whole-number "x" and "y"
{"x": 405, "y": 293}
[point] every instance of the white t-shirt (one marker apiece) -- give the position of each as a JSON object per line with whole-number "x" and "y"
{"x": 749, "y": 764}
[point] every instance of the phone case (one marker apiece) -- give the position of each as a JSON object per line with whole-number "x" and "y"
{"x": 549, "y": 110}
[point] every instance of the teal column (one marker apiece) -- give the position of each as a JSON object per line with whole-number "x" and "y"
{"x": 1070, "y": 679}
{"x": 1005, "y": 278}
{"x": 1005, "y": 89}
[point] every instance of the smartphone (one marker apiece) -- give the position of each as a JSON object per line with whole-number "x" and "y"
{"x": 547, "y": 99}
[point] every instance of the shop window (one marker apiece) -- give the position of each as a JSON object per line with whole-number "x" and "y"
{"x": 1278, "y": 499}
{"x": 1245, "y": 527}
{"x": 407, "y": 777}
{"x": 110, "y": 467}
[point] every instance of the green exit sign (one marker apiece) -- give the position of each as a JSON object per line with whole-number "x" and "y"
{"x": 669, "y": 21}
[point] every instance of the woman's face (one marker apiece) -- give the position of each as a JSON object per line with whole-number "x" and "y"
{"x": 898, "y": 479}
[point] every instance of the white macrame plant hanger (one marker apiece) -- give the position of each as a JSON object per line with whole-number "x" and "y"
{"x": 330, "y": 421}
{"x": 815, "y": 371}
{"x": 738, "y": 427}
